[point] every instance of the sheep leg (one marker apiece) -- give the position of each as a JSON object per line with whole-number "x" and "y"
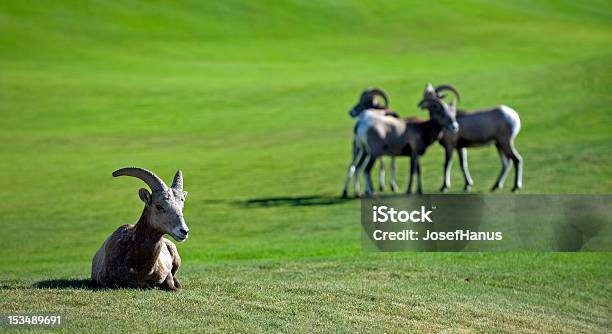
{"x": 370, "y": 161}
{"x": 357, "y": 156}
{"x": 351, "y": 170}
{"x": 418, "y": 176}
{"x": 517, "y": 160}
{"x": 381, "y": 174}
{"x": 464, "y": 168}
{"x": 177, "y": 283}
{"x": 359, "y": 169}
{"x": 393, "y": 176}
{"x": 168, "y": 283}
{"x": 505, "y": 168}
{"x": 448, "y": 158}
{"x": 409, "y": 190}
{"x": 413, "y": 168}
{"x": 176, "y": 262}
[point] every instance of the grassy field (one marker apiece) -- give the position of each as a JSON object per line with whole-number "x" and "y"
{"x": 250, "y": 100}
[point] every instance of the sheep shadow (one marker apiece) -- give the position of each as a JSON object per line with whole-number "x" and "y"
{"x": 61, "y": 284}
{"x": 306, "y": 200}
{"x": 309, "y": 200}
{"x": 81, "y": 284}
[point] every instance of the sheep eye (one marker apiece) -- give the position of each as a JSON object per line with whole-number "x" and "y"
{"x": 159, "y": 207}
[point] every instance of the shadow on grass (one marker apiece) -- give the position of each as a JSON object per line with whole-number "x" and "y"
{"x": 306, "y": 200}
{"x": 85, "y": 284}
{"x": 312, "y": 200}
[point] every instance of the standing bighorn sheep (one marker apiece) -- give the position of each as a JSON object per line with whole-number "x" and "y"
{"x": 378, "y": 134}
{"x": 137, "y": 256}
{"x": 499, "y": 125}
{"x": 369, "y": 100}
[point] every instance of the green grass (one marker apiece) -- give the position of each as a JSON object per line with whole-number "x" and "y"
{"x": 250, "y": 100}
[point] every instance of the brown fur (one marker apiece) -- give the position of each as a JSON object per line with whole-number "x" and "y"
{"x": 386, "y": 134}
{"x": 421, "y": 135}
{"x": 482, "y": 128}
{"x": 137, "y": 256}
{"x": 408, "y": 137}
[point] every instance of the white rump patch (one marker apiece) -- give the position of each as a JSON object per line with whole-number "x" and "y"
{"x": 513, "y": 119}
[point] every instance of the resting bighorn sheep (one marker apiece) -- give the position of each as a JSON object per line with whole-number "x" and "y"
{"x": 378, "y": 134}
{"x": 369, "y": 100}
{"x": 137, "y": 256}
{"x": 499, "y": 125}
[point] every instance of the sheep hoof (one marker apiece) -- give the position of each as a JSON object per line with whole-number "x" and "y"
{"x": 357, "y": 195}
{"x": 177, "y": 283}
{"x": 495, "y": 187}
{"x": 516, "y": 189}
{"x": 344, "y": 194}
{"x": 467, "y": 188}
{"x": 381, "y": 188}
{"x": 394, "y": 188}
{"x": 444, "y": 189}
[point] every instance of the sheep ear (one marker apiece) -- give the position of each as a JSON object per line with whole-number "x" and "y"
{"x": 145, "y": 196}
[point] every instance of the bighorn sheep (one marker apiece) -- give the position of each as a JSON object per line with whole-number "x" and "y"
{"x": 378, "y": 134}
{"x": 499, "y": 125}
{"x": 137, "y": 256}
{"x": 369, "y": 100}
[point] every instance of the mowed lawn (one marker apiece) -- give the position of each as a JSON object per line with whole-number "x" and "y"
{"x": 250, "y": 101}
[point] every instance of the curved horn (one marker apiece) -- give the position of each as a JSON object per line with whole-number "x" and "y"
{"x": 450, "y": 88}
{"x": 177, "y": 183}
{"x": 152, "y": 180}
{"x": 381, "y": 93}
